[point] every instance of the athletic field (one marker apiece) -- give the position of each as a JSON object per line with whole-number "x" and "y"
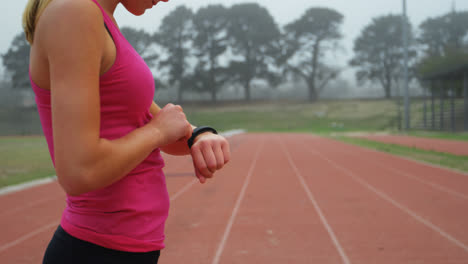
{"x": 455, "y": 147}
{"x": 284, "y": 198}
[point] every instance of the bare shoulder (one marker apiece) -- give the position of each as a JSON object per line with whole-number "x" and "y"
{"x": 71, "y": 10}
{"x": 69, "y": 20}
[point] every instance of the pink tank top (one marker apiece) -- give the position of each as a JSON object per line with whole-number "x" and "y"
{"x": 128, "y": 215}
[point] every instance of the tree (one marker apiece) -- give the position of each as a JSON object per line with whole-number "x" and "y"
{"x": 175, "y": 35}
{"x": 307, "y": 40}
{"x": 444, "y": 34}
{"x": 445, "y": 43}
{"x": 210, "y": 26}
{"x": 16, "y": 62}
{"x": 142, "y": 42}
{"x": 378, "y": 51}
{"x": 252, "y": 32}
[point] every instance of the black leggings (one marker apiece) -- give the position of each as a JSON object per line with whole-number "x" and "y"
{"x": 64, "y": 248}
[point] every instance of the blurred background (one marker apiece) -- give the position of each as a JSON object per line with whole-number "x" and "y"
{"x": 329, "y": 67}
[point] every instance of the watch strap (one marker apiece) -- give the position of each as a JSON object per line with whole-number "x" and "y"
{"x": 199, "y": 130}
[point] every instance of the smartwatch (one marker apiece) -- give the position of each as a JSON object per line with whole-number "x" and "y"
{"x": 199, "y": 130}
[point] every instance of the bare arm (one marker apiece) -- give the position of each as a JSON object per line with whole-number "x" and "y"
{"x": 73, "y": 38}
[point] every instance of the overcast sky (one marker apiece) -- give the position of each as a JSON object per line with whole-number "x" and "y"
{"x": 357, "y": 13}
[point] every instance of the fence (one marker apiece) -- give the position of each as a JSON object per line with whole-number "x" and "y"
{"x": 445, "y": 104}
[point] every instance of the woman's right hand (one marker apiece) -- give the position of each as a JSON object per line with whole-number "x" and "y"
{"x": 171, "y": 124}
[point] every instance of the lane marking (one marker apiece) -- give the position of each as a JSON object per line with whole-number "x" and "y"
{"x": 393, "y": 202}
{"x": 43, "y": 228}
{"x": 432, "y": 184}
{"x": 19, "y": 208}
{"x": 411, "y": 160}
{"x": 34, "y": 183}
{"x": 222, "y": 243}
{"x": 322, "y": 217}
{"x": 227, "y": 134}
{"x": 414, "y": 177}
{"x": 26, "y": 185}
{"x": 183, "y": 189}
{"x": 429, "y": 144}
{"x": 28, "y": 236}
{"x": 233, "y": 132}
{"x": 179, "y": 174}
{"x": 440, "y": 167}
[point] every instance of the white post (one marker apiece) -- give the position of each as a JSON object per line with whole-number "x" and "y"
{"x": 465, "y": 84}
{"x": 405, "y": 76}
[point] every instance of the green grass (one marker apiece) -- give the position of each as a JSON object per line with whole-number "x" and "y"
{"x": 322, "y": 118}
{"x": 23, "y": 159}
{"x": 440, "y": 135}
{"x": 433, "y": 157}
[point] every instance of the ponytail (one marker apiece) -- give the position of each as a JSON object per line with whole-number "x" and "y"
{"x": 32, "y": 12}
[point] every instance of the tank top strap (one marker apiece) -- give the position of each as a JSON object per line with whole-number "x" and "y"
{"x": 113, "y": 30}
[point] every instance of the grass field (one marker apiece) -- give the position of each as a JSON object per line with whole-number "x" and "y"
{"x": 441, "y": 135}
{"x": 322, "y": 117}
{"x": 26, "y": 158}
{"x": 438, "y": 158}
{"x": 23, "y": 159}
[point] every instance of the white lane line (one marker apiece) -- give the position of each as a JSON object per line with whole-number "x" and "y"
{"x": 26, "y": 185}
{"x": 410, "y": 160}
{"x": 233, "y": 132}
{"x": 226, "y": 134}
{"x": 416, "y": 178}
{"x": 48, "y": 180}
{"x": 183, "y": 189}
{"x": 43, "y": 228}
{"x": 395, "y": 203}
{"x": 27, "y": 236}
{"x": 19, "y": 208}
{"x": 427, "y": 164}
{"x": 34, "y": 183}
{"x": 332, "y": 235}
{"x": 433, "y": 185}
{"x": 221, "y": 245}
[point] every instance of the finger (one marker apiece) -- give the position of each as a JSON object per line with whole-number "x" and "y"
{"x": 189, "y": 132}
{"x": 226, "y": 151}
{"x": 200, "y": 177}
{"x": 199, "y": 162}
{"x": 219, "y": 156}
{"x": 210, "y": 158}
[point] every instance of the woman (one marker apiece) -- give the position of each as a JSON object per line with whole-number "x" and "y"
{"x": 94, "y": 96}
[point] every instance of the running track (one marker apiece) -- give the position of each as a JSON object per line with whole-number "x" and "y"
{"x": 455, "y": 147}
{"x": 284, "y": 198}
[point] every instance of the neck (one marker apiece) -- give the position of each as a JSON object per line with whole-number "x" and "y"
{"x": 109, "y": 5}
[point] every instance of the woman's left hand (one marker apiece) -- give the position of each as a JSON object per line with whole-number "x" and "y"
{"x": 210, "y": 152}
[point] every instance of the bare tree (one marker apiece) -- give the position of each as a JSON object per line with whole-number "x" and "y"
{"x": 307, "y": 40}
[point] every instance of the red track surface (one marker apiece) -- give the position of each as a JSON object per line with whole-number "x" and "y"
{"x": 439, "y": 145}
{"x": 284, "y": 198}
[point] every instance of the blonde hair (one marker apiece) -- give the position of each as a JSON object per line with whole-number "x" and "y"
{"x": 32, "y": 12}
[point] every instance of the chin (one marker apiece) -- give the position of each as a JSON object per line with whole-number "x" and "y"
{"x": 138, "y": 12}
{"x": 135, "y": 8}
